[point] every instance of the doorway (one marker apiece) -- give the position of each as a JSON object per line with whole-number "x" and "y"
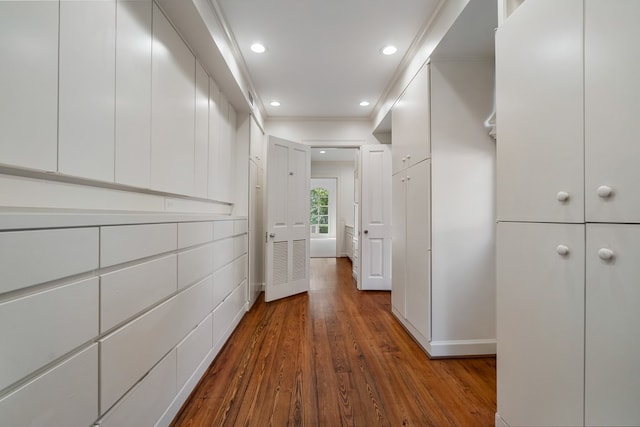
{"x": 323, "y": 195}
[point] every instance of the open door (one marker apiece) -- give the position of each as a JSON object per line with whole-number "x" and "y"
{"x": 375, "y": 215}
{"x": 287, "y": 222}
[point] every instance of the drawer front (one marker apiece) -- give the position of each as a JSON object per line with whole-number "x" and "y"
{"x": 66, "y": 395}
{"x": 124, "y": 243}
{"x": 223, "y": 283}
{"x": 240, "y": 245}
{"x": 193, "y": 349}
{"x": 222, "y": 229}
{"x": 147, "y": 401}
{"x": 126, "y": 292}
{"x": 240, "y": 269}
{"x": 194, "y": 233}
{"x": 240, "y": 226}
{"x": 194, "y": 264}
{"x": 129, "y": 353}
{"x": 227, "y": 311}
{"x": 223, "y": 252}
{"x": 31, "y": 257}
{"x": 39, "y": 328}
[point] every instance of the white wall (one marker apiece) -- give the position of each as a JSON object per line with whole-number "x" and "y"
{"x": 345, "y": 209}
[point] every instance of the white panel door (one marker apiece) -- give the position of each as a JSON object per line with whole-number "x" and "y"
{"x": 29, "y": 84}
{"x": 375, "y": 238}
{"x": 539, "y": 96}
{"x": 133, "y": 93}
{"x": 418, "y": 258}
{"x": 173, "y": 109}
{"x": 287, "y": 253}
{"x": 540, "y": 291}
{"x": 398, "y": 242}
{"x": 612, "y": 381}
{"x": 87, "y": 88}
{"x": 612, "y": 148}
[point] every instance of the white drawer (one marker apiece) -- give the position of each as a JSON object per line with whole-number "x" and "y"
{"x": 126, "y": 292}
{"x": 240, "y": 269}
{"x": 194, "y": 233}
{"x": 223, "y": 283}
{"x": 240, "y": 244}
{"x": 39, "y": 328}
{"x": 194, "y": 264}
{"x": 147, "y": 401}
{"x": 193, "y": 349}
{"x": 222, "y": 252}
{"x": 124, "y": 243}
{"x": 240, "y": 226}
{"x": 222, "y": 229}
{"x": 31, "y": 257}
{"x": 66, "y": 395}
{"x": 129, "y": 352}
{"x": 224, "y": 315}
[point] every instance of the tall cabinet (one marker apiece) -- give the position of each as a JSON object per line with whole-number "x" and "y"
{"x": 568, "y": 233}
{"x": 443, "y": 254}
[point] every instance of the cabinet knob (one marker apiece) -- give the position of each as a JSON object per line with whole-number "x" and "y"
{"x": 404, "y": 158}
{"x": 605, "y": 191}
{"x": 408, "y": 156}
{"x": 562, "y": 196}
{"x": 402, "y": 180}
{"x": 606, "y": 254}
{"x": 562, "y": 250}
{"x": 408, "y": 178}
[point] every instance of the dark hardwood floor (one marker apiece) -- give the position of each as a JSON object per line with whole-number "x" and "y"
{"x": 336, "y": 357}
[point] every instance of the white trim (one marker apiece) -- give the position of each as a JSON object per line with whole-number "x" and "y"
{"x": 500, "y": 422}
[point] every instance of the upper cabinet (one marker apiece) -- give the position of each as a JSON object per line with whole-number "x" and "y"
{"x": 29, "y": 84}
{"x": 202, "y": 132}
{"x": 133, "y": 93}
{"x": 410, "y": 123}
{"x": 173, "y": 109}
{"x": 540, "y": 114}
{"x": 86, "y": 97}
{"x": 612, "y": 108}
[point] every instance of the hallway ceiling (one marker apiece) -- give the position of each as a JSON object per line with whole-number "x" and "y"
{"x": 323, "y": 56}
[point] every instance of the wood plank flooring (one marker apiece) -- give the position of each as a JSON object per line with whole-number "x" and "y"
{"x": 336, "y": 357}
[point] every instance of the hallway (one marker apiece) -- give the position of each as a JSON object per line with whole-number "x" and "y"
{"x": 336, "y": 356}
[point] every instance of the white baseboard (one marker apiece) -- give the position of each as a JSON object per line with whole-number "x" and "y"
{"x": 500, "y": 422}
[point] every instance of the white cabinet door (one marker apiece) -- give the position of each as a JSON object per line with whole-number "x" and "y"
{"x": 398, "y": 242}
{"x": 539, "y": 96}
{"x": 201, "y": 132}
{"x": 87, "y": 88}
{"x": 418, "y": 293}
{"x": 410, "y": 123}
{"x": 133, "y": 93}
{"x": 540, "y": 314}
{"x": 173, "y": 109}
{"x": 612, "y": 148}
{"x": 29, "y": 84}
{"x": 612, "y": 380}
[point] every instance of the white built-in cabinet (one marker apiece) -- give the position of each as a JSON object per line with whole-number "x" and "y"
{"x": 108, "y": 90}
{"x": 114, "y": 323}
{"x": 86, "y": 88}
{"x": 443, "y": 209}
{"x": 569, "y": 232}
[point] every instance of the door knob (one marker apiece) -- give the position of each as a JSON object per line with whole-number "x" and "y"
{"x": 606, "y": 254}
{"x": 366, "y": 231}
{"x": 605, "y": 191}
{"x": 562, "y": 250}
{"x": 562, "y": 196}
{"x": 272, "y": 235}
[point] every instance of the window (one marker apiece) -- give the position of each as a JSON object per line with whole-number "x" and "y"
{"x": 319, "y": 211}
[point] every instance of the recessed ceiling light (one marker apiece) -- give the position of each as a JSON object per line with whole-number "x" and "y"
{"x": 258, "y": 48}
{"x": 364, "y": 104}
{"x": 389, "y": 50}
{"x": 275, "y": 103}
{"x": 323, "y": 152}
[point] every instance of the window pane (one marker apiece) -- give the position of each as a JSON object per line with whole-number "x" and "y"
{"x": 324, "y": 200}
{"x": 323, "y": 210}
{"x": 324, "y": 229}
{"x": 324, "y": 219}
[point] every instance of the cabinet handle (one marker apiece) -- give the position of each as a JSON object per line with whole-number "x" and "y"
{"x": 562, "y": 250}
{"x": 562, "y": 196}
{"x": 605, "y": 191}
{"x": 606, "y": 254}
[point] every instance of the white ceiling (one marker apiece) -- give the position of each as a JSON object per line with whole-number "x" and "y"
{"x": 323, "y": 56}
{"x": 333, "y": 154}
